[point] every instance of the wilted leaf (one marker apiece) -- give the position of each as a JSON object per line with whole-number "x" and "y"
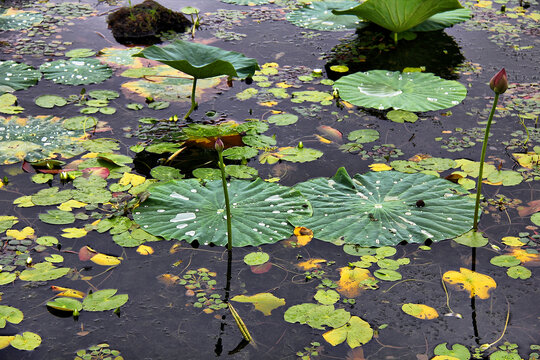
{"x": 168, "y": 279}
{"x": 5, "y": 341}
{"x": 73, "y": 233}
{"x": 145, "y": 250}
{"x": 303, "y": 235}
{"x": 350, "y": 279}
{"x": 310, "y": 264}
{"x": 133, "y": 179}
{"x": 380, "y": 167}
{"x": 22, "y": 234}
{"x": 475, "y": 283}
{"x": 420, "y": 311}
{"x": 357, "y": 332}
{"x": 264, "y": 302}
{"x": 525, "y": 257}
{"x": 72, "y": 293}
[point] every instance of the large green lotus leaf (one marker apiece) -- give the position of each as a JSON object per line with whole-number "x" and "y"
{"x": 400, "y": 15}
{"x": 42, "y": 272}
{"x": 443, "y": 20}
{"x": 17, "y": 76}
{"x": 201, "y": 61}
{"x": 380, "y": 208}
{"x": 187, "y": 210}
{"x": 103, "y": 300}
{"x": 318, "y": 16}
{"x": 381, "y": 89}
{"x": 10, "y": 314}
{"x": 76, "y": 71}
{"x": 36, "y": 138}
{"x": 12, "y": 19}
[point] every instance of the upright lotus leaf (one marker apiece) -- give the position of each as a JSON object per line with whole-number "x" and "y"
{"x": 76, "y": 71}
{"x": 188, "y": 210}
{"x": 381, "y": 208}
{"x": 17, "y": 76}
{"x": 42, "y": 272}
{"x": 416, "y": 91}
{"x": 103, "y": 300}
{"x": 318, "y": 16}
{"x": 399, "y": 15}
{"x": 443, "y": 20}
{"x": 264, "y": 302}
{"x": 357, "y": 332}
{"x": 475, "y": 283}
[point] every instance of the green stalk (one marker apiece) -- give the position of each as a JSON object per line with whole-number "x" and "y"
{"x": 482, "y": 157}
{"x": 227, "y": 204}
{"x": 193, "y": 102}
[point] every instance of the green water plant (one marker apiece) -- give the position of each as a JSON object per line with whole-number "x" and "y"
{"x": 499, "y": 84}
{"x": 201, "y": 62}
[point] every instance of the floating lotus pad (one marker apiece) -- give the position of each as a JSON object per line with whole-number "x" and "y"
{"x": 399, "y": 15}
{"x": 318, "y": 16}
{"x": 187, "y": 210}
{"x": 377, "y": 209}
{"x": 76, "y": 71}
{"x": 17, "y": 76}
{"x": 381, "y": 89}
{"x": 12, "y": 19}
{"x": 246, "y": 2}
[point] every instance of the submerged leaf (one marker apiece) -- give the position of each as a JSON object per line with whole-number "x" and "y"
{"x": 264, "y": 302}
{"x": 475, "y": 283}
{"x": 350, "y": 281}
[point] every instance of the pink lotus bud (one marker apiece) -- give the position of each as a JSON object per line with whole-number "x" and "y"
{"x": 499, "y": 83}
{"x": 219, "y": 146}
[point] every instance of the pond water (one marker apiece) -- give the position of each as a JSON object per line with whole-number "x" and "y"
{"x": 177, "y": 292}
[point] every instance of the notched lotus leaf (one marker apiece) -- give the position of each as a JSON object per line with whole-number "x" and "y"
{"x": 317, "y": 316}
{"x": 76, "y": 71}
{"x": 17, "y": 76}
{"x": 65, "y": 304}
{"x": 10, "y": 314}
{"x": 26, "y": 341}
{"x": 318, "y": 15}
{"x": 473, "y": 282}
{"x": 264, "y": 302}
{"x": 103, "y": 300}
{"x": 420, "y": 311}
{"x": 43, "y": 272}
{"x": 357, "y": 332}
{"x": 311, "y": 264}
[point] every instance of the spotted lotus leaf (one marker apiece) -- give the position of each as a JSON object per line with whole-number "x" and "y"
{"x": 318, "y": 15}
{"x": 385, "y": 208}
{"x": 36, "y": 138}
{"x": 188, "y": 210}
{"x": 13, "y": 19}
{"x": 17, "y": 76}
{"x": 76, "y": 71}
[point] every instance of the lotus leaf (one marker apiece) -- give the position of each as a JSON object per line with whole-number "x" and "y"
{"x": 283, "y": 119}
{"x": 80, "y": 53}
{"x": 57, "y": 217}
{"x": 120, "y": 56}
{"x": 10, "y": 314}
{"x": 292, "y": 154}
{"x": 381, "y": 89}
{"x": 76, "y": 71}
{"x": 357, "y": 332}
{"x": 519, "y": 272}
{"x": 165, "y": 173}
{"x": 43, "y": 272}
{"x": 420, "y": 311}
{"x": 7, "y": 277}
{"x": 12, "y": 19}
{"x": 256, "y": 258}
{"x": 17, "y": 76}
{"x": 379, "y": 208}
{"x": 35, "y": 138}
{"x": 505, "y": 261}
{"x": 241, "y": 171}
{"x": 103, "y": 300}
{"x": 398, "y": 15}
{"x": 472, "y": 239}
{"x": 475, "y": 283}
{"x": 51, "y": 196}
{"x": 264, "y": 302}
{"x": 458, "y": 351}
{"x": 247, "y": 2}
{"x": 240, "y": 153}
{"x": 443, "y": 20}
{"x": 65, "y": 304}
{"x": 26, "y": 341}
{"x": 327, "y": 297}
{"x": 317, "y": 316}
{"x": 318, "y": 16}
{"x": 8, "y": 104}
{"x": 188, "y": 210}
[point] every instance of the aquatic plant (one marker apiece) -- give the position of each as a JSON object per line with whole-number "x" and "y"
{"x": 499, "y": 84}
{"x": 201, "y": 62}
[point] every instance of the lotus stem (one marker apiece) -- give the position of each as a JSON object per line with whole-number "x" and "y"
{"x": 193, "y": 102}
{"x": 482, "y": 157}
{"x": 225, "y": 194}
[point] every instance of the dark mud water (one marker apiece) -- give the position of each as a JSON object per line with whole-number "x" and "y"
{"x": 160, "y": 322}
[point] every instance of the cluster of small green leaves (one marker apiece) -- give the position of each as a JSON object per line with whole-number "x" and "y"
{"x": 310, "y": 351}
{"x": 91, "y": 103}
{"x": 506, "y": 351}
{"x": 380, "y": 256}
{"x": 201, "y": 283}
{"x": 98, "y": 352}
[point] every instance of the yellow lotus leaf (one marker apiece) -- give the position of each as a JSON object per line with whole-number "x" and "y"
{"x": 106, "y": 260}
{"x": 444, "y": 357}
{"x": 168, "y": 279}
{"x": 72, "y": 293}
{"x": 133, "y": 179}
{"x": 22, "y": 234}
{"x": 350, "y": 279}
{"x": 270, "y": 64}
{"x": 303, "y": 235}
{"x": 524, "y": 256}
{"x": 5, "y": 341}
{"x": 90, "y": 155}
{"x": 322, "y": 139}
{"x": 512, "y": 241}
{"x": 527, "y": 160}
{"x": 380, "y": 167}
{"x": 483, "y": 4}
{"x": 475, "y": 283}
{"x": 283, "y": 85}
{"x": 357, "y": 332}
{"x": 310, "y": 264}
{"x": 264, "y": 302}
{"x": 268, "y": 103}
{"x": 73, "y": 233}
{"x": 145, "y": 250}
{"x": 70, "y": 205}
{"x": 420, "y": 311}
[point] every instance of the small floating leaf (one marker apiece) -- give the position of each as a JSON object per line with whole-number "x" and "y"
{"x": 420, "y": 311}
{"x": 317, "y": 316}
{"x": 264, "y": 302}
{"x": 65, "y": 304}
{"x": 357, "y": 332}
{"x": 327, "y": 297}
{"x": 43, "y": 272}
{"x": 103, "y": 300}
{"x": 256, "y": 258}
{"x": 26, "y": 341}
{"x": 10, "y": 314}
{"x": 475, "y": 283}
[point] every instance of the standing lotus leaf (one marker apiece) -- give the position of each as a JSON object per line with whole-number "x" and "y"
{"x": 381, "y": 89}
{"x": 385, "y": 208}
{"x": 188, "y": 210}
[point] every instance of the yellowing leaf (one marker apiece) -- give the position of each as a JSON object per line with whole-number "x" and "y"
{"x": 133, "y": 179}
{"x": 145, "y": 250}
{"x": 270, "y": 64}
{"x": 420, "y": 311}
{"x": 106, "y": 260}
{"x": 444, "y": 357}
{"x": 283, "y": 85}
{"x": 483, "y": 4}
{"x": 357, "y": 332}
{"x": 268, "y": 103}
{"x": 475, "y": 283}
{"x": 72, "y": 293}
{"x": 310, "y": 264}
{"x": 303, "y": 235}
{"x": 264, "y": 302}
{"x": 175, "y": 248}
{"x": 22, "y": 234}
{"x": 322, "y": 139}
{"x": 71, "y": 204}
{"x": 5, "y": 341}
{"x": 73, "y": 233}
{"x": 380, "y": 167}
{"x": 524, "y": 256}
{"x": 512, "y": 241}
{"x": 350, "y": 279}
{"x": 90, "y": 155}
{"x": 168, "y": 279}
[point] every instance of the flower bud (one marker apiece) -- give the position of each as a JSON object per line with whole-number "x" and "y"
{"x": 219, "y": 146}
{"x": 499, "y": 83}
